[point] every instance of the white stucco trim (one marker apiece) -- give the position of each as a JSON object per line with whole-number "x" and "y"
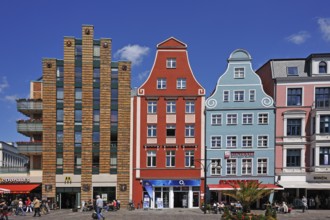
{"x": 138, "y": 134}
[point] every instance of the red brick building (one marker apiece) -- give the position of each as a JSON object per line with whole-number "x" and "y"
{"x": 168, "y": 132}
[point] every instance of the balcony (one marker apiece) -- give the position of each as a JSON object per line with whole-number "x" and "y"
{"x": 29, "y": 147}
{"x": 29, "y": 106}
{"x": 13, "y": 170}
{"x": 323, "y": 104}
{"x": 29, "y": 127}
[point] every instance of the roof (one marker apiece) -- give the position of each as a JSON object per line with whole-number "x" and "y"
{"x": 172, "y": 43}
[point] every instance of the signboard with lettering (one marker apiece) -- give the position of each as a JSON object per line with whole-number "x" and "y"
{"x": 241, "y": 154}
{"x": 160, "y": 203}
{"x": 15, "y": 180}
{"x": 321, "y": 178}
{"x": 146, "y": 201}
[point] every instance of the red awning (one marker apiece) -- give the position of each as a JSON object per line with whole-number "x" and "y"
{"x": 20, "y": 188}
{"x": 229, "y": 187}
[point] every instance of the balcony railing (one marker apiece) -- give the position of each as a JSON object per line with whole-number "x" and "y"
{"x": 29, "y": 147}
{"x": 28, "y": 127}
{"x": 13, "y": 170}
{"x": 321, "y": 104}
{"x": 28, "y": 106}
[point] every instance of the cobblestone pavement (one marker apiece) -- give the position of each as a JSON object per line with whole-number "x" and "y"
{"x": 177, "y": 214}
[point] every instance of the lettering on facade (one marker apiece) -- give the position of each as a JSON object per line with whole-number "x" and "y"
{"x": 68, "y": 180}
{"x": 241, "y": 154}
{"x": 15, "y": 180}
{"x": 236, "y": 181}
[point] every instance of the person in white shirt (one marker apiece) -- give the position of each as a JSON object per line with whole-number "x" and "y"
{"x": 99, "y": 206}
{"x": 20, "y": 207}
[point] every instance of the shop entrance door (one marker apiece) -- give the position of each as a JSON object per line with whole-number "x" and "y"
{"x": 180, "y": 199}
{"x": 68, "y": 200}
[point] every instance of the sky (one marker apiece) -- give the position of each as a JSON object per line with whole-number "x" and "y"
{"x": 212, "y": 29}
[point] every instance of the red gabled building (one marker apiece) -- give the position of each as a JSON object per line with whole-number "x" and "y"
{"x": 168, "y": 132}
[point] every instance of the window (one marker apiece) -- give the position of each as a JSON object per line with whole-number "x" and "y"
{"x": 96, "y": 96}
{"x": 96, "y": 116}
{"x": 171, "y": 63}
{"x": 231, "y": 141}
{"x": 293, "y": 157}
{"x": 226, "y": 96}
{"x": 152, "y": 130}
{"x": 78, "y": 74}
{"x": 322, "y": 67}
{"x": 189, "y": 158}
{"x": 190, "y": 107}
{"x": 59, "y": 95}
{"x": 263, "y": 118}
{"x": 96, "y": 75}
{"x": 294, "y": 97}
{"x": 247, "y": 119}
{"x": 246, "y": 166}
{"x": 60, "y": 73}
{"x": 59, "y": 137}
{"x": 170, "y": 131}
{"x": 170, "y": 107}
{"x": 78, "y": 52}
{"x": 247, "y": 141}
{"x": 262, "y": 166}
{"x": 231, "y": 166}
{"x": 215, "y": 167}
{"x": 170, "y": 158}
{"x": 231, "y": 119}
{"x": 322, "y": 97}
{"x": 77, "y": 138}
{"x": 77, "y": 116}
{"x": 152, "y": 107}
{"x": 190, "y": 130}
{"x": 239, "y": 73}
{"x": 96, "y": 52}
{"x": 59, "y": 116}
{"x": 181, "y": 83}
{"x": 77, "y": 160}
{"x": 292, "y": 71}
{"x": 114, "y": 116}
{"x": 238, "y": 96}
{"x": 78, "y": 95}
{"x": 325, "y": 124}
{"x": 252, "y": 95}
{"x": 151, "y": 158}
{"x": 263, "y": 141}
{"x": 293, "y": 127}
{"x": 324, "y": 155}
{"x": 216, "y": 119}
{"x": 96, "y": 136}
{"x": 216, "y": 142}
{"x": 161, "y": 83}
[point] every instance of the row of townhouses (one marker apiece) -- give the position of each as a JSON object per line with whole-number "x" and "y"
{"x": 165, "y": 144}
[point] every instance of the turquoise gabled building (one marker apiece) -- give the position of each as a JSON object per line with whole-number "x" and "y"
{"x": 240, "y": 123}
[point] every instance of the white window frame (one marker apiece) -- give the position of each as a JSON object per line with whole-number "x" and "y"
{"x": 152, "y": 106}
{"x": 230, "y": 119}
{"x": 152, "y": 130}
{"x": 239, "y": 72}
{"x": 161, "y": 83}
{"x": 247, "y": 141}
{"x": 216, "y": 141}
{"x": 171, "y": 63}
{"x": 258, "y": 165}
{"x": 261, "y": 116}
{"x": 232, "y": 168}
{"x": 246, "y": 116}
{"x": 190, "y": 107}
{"x": 216, "y": 119}
{"x": 263, "y": 141}
{"x": 215, "y": 168}
{"x": 171, "y": 155}
{"x": 252, "y": 95}
{"x": 239, "y": 96}
{"x": 189, "y": 154}
{"x": 190, "y": 130}
{"x": 232, "y": 140}
{"x": 246, "y": 167}
{"x": 170, "y": 107}
{"x": 181, "y": 83}
{"x": 226, "y": 96}
{"x": 153, "y": 158}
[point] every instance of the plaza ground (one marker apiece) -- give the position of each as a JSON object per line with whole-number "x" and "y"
{"x": 178, "y": 214}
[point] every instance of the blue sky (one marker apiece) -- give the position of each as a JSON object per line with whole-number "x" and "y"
{"x": 32, "y": 30}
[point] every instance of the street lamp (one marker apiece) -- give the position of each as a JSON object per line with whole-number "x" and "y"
{"x": 205, "y": 166}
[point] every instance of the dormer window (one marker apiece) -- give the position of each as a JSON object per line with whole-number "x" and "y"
{"x": 171, "y": 63}
{"x": 239, "y": 73}
{"x": 322, "y": 67}
{"x": 292, "y": 71}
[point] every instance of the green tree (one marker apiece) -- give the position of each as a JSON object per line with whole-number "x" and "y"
{"x": 247, "y": 193}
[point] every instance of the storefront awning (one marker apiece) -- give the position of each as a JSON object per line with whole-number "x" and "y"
{"x": 3, "y": 190}
{"x": 223, "y": 186}
{"x": 304, "y": 185}
{"x": 20, "y": 188}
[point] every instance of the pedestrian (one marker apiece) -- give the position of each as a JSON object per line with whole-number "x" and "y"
{"x": 304, "y": 203}
{"x": 36, "y": 205}
{"x": 20, "y": 207}
{"x": 99, "y": 206}
{"x": 3, "y": 209}
{"x": 28, "y": 204}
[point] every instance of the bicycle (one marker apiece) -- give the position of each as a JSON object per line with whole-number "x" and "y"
{"x": 130, "y": 206}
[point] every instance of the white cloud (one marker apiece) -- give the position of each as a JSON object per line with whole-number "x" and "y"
{"x": 143, "y": 75}
{"x": 324, "y": 24}
{"x": 3, "y": 84}
{"x": 298, "y": 38}
{"x": 132, "y": 53}
{"x": 11, "y": 98}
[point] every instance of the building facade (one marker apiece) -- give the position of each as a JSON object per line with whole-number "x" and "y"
{"x": 10, "y": 157}
{"x": 239, "y": 129}
{"x": 168, "y": 132}
{"x": 301, "y": 90}
{"x": 79, "y": 113}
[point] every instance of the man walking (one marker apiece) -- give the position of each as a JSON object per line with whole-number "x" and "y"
{"x": 36, "y": 206}
{"x": 304, "y": 203}
{"x": 99, "y": 206}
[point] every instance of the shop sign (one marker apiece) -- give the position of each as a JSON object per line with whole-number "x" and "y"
{"x": 241, "y": 154}
{"x": 15, "y": 180}
{"x": 68, "y": 180}
{"x": 319, "y": 178}
{"x": 236, "y": 181}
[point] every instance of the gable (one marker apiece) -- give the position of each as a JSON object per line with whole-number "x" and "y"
{"x": 172, "y": 43}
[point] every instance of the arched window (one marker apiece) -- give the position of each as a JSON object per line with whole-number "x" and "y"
{"x": 322, "y": 67}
